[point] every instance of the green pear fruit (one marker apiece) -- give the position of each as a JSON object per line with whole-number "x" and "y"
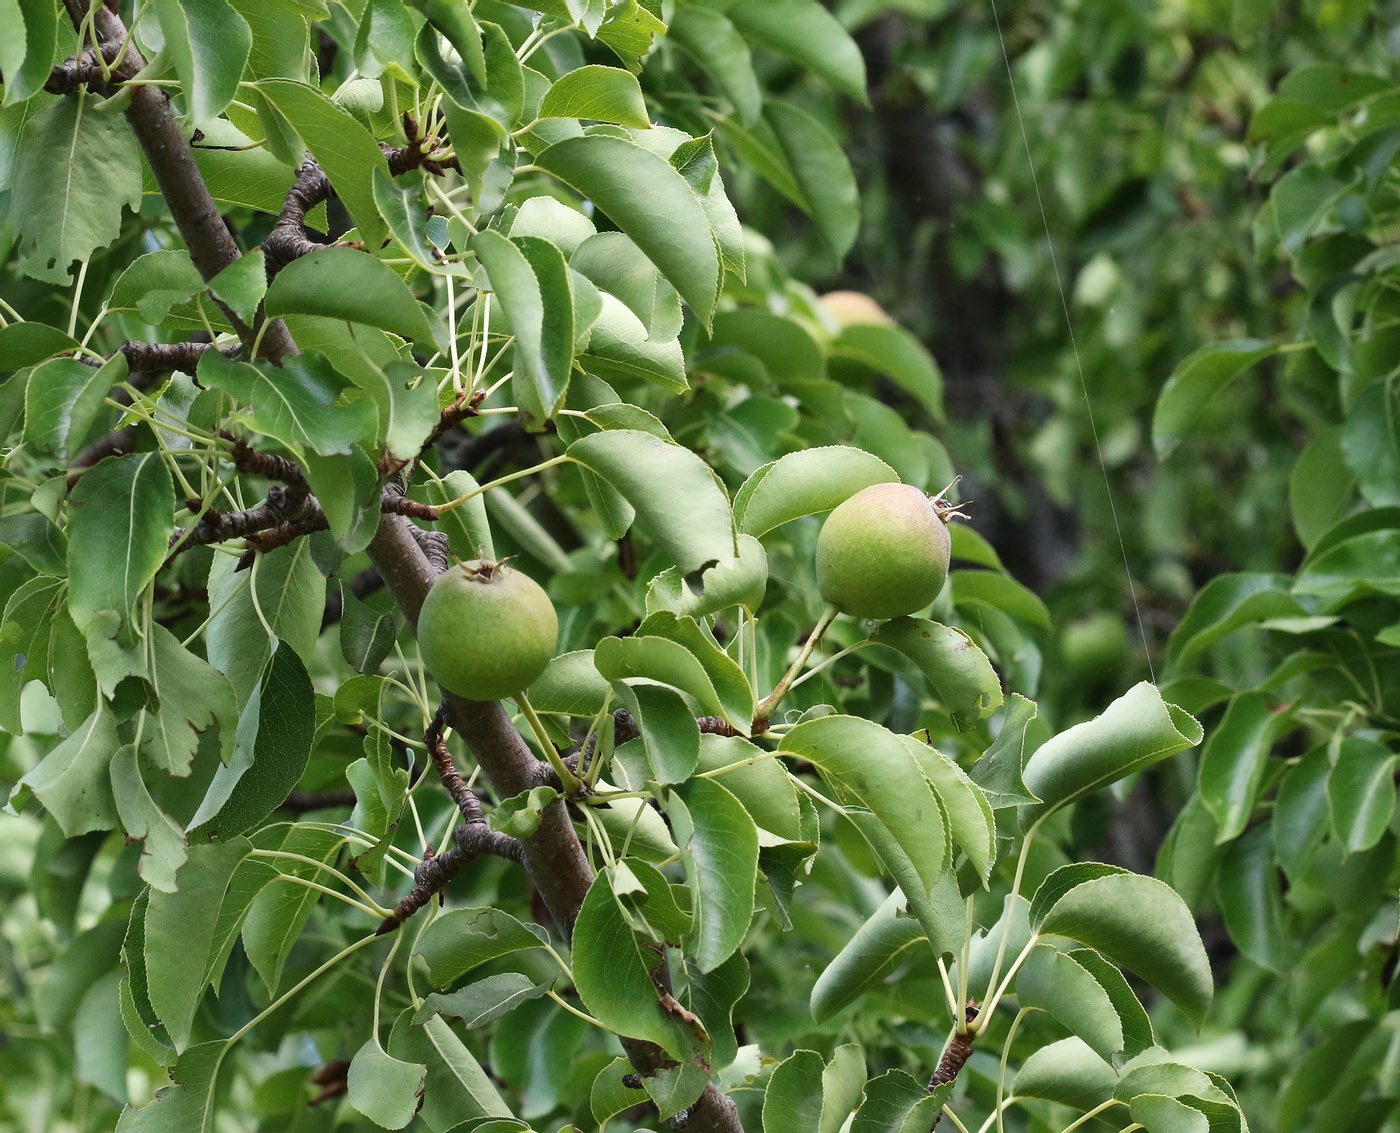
{"x": 883, "y": 553}
{"x": 486, "y": 631}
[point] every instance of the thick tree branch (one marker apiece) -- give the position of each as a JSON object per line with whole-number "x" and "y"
{"x": 210, "y": 244}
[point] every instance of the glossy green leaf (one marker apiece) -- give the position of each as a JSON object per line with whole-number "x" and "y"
{"x": 531, "y": 282}
{"x": 651, "y": 202}
{"x": 675, "y": 494}
{"x": 1236, "y": 757}
{"x": 1001, "y": 769}
{"x": 345, "y": 150}
{"x": 792, "y": 1103}
{"x": 463, "y": 939}
{"x": 73, "y": 782}
{"x": 971, "y": 588}
{"x": 599, "y": 94}
{"x": 275, "y": 732}
{"x": 1133, "y": 732}
{"x": 1251, "y": 899}
{"x": 716, "y": 45}
{"x": 29, "y": 343}
{"x": 458, "y": 1089}
{"x": 873, "y": 765}
{"x": 1068, "y": 1072}
{"x": 180, "y": 934}
{"x": 382, "y": 1087}
{"x": 1088, "y": 997}
{"x": 1195, "y": 381}
{"x": 342, "y": 283}
{"x": 1137, "y": 922}
{"x": 191, "y": 697}
{"x": 958, "y": 671}
{"x": 121, "y": 515}
{"x": 969, "y": 814}
{"x": 805, "y": 483}
{"x": 62, "y": 401}
{"x": 479, "y": 1003}
{"x": 808, "y": 33}
{"x": 186, "y": 1105}
{"x": 740, "y": 583}
{"x": 758, "y": 781}
{"x": 608, "y": 1096}
{"x": 895, "y": 1102}
{"x": 821, "y": 172}
{"x": 670, "y": 736}
{"x": 1224, "y": 604}
{"x": 719, "y": 842}
{"x": 893, "y": 351}
{"x": 612, "y": 973}
{"x": 209, "y": 44}
{"x": 29, "y": 52}
{"x": 281, "y": 910}
{"x": 75, "y": 171}
{"x": 1361, "y": 792}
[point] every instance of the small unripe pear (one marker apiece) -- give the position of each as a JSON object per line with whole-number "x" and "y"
{"x": 853, "y": 308}
{"x": 883, "y": 553}
{"x": 486, "y": 631}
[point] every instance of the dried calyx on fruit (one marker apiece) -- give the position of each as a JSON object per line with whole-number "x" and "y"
{"x": 486, "y": 631}
{"x": 884, "y": 552}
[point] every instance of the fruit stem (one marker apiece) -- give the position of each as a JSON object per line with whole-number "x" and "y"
{"x": 571, "y": 783}
{"x": 770, "y": 702}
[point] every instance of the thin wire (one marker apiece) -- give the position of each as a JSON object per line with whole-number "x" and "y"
{"x": 1074, "y": 345}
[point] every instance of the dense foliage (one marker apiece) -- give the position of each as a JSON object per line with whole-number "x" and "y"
{"x": 303, "y": 301}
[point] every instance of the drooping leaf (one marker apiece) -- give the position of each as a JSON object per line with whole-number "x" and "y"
{"x": 807, "y": 482}
{"x": 958, "y": 671}
{"x": 1195, "y": 381}
{"x": 342, "y": 283}
{"x": 73, "y": 781}
{"x": 76, "y": 168}
{"x": 719, "y": 842}
{"x": 384, "y": 1088}
{"x": 1133, "y": 732}
{"x": 120, "y": 519}
{"x": 209, "y": 44}
{"x": 1135, "y": 921}
{"x": 462, "y": 939}
{"x": 62, "y": 401}
{"x": 651, "y": 202}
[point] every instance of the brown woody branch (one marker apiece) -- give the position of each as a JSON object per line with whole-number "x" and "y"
{"x": 955, "y": 1055}
{"x": 472, "y": 839}
{"x": 287, "y": 241}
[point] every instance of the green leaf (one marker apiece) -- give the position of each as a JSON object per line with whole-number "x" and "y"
{"x": 600, "y": 94}
{"x": 345, "y": 150}
{"x": 531, "y": 282}
{"x": 722, "y": 53}
{"x": 612, "y": 973}
{"x": 571, "y": 685}
{"x": 342, "y": 283}
{"x": 1134, "y": 921}
{"x": 1088, "y": 997}
{"x": 301, "y": 403}
{"x": 180, "y": 934}
{"x": 819, "y": 171}
{"x": 873, "y": 765}
{"x": 382, "y": 1087}
{"x": 209, "y": 43}
{"x": 1235, "y": 759}
{"x": 1068, "y": 1072}
{"x": 121, "y": 515}
{"x": 187, "y": 1104}
{"x": 273, "y": 745}
{"x": 24, "y": 643}
{"x": 802, "y": 483}
{"x": 290, "y": 596}
{"x": 895, "y": 1102}
{"x": 1224, "y": 604}
{"x": 243, "y": 284}
{"x": 62, "y": 401}
{"x": 1133, "y": 732}
{"x": 154, "y": 283}
{"x": 608, "y": 1096}
{"x": 462, "y": 939}
{"x": 958, "y": 671}
{"x": 618, "y": 267}
{"x": 458, "y": 1088}
{"x": 720, "y": 845}
{"x": 1361, "y": 792}
{"x": 1195, "y": 381}
{"x": 888, "y": 940}
{"x": 805, "y": 31}
{"x": 76, "y": 167}
{"x": 651, "y": 202}
{"x": 457, "y": 24}
{"x": 479, "y": 1003}
{"x": 27, "y": 344}
{"x": 893, "y": 351}
{"x": 36, "y": 540}
{"x": 762, "y": 784}
{"x": 191, "y": 697}
{"x": 1252, "y": 901}
{"x": 792, "y": 1103}
{"x": 670, "y": 736}
{"x": 367, "y": 632}
{"x": 675, "y": 493}
{"x": 28, "y": 53}
{"x": 969, "y": 815}
{"x": 468, "y": 530}
{"x": 163, "y": 842}
{"x": 73, "y": 782}
{"x": 971, "y": 587}
{"x": 618, "y": 347}
{"x": 280, "y": 910}
{"x": 1000, "y": 770}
